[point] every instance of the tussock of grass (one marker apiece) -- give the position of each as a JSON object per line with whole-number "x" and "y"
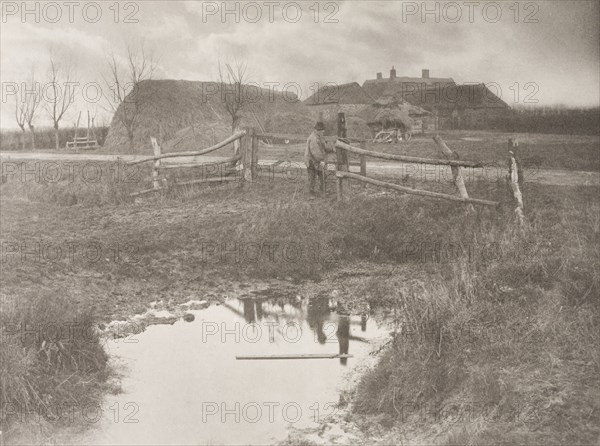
{"x": 52, "y": 360}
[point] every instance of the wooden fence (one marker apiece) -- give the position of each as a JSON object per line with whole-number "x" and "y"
{"x": 247, "y": 156}
{"x": 343, "y": 172}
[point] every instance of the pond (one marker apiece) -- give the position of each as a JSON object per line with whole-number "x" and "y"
{"x": 182, "y": 383}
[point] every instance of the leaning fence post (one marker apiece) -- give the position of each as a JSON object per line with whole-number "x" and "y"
{"x": 156, "y": 167}
{"x": 456, "y": 170}
{"x": 513, "y": 146}
{"x": 514, "y": 179}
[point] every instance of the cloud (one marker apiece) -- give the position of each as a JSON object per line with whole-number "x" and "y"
{"x": 559, "y": 52}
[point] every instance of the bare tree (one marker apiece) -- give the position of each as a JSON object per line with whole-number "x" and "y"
{"x": 33, "y": 101}
{"x": 21, "y": 116}
{"x": 60, "y": 83}
{"x": 27, "y": 101}
{"x": 232, "y": 88}
{"x": 126, "y": 102}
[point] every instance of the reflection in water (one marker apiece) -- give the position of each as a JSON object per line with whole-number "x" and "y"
{"x": 317, "y": 314}
{"x": 343, "y": 335}
{"x": 253, "y": 310}
{"x": 174, "y": 373}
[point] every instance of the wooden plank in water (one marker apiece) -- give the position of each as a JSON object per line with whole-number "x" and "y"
{"x": 293, "y": 356}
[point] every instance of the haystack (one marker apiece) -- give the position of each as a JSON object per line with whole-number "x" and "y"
{"x": 390, "y": 113}
{"x": 187, "y": 115}
{"x": 356, "y": 128}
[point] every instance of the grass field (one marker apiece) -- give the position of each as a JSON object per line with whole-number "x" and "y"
{"x": 502, "y": 322}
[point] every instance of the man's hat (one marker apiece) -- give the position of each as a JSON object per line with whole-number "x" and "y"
{"x": 319, "y": 126}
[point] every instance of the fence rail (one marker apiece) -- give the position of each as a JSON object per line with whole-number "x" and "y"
{"x": 217, "y": 146}
{"x": 246, "y": 155}
{"x": 408, "y": 190}
{"x": 343, "y": 167}
{"x": 406, "y": 159}
{"x": 297, "y": 137}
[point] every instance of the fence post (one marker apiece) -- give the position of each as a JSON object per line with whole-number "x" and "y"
{"x": 515, "y": 178}
{"x": 341, "y": 155}
{"x": 254, "y": 154}
{"x": 246, "y": 155}
{"x": 513, "y": 146}
{"x": 363, "y": 162}
{"x": 456, "y": 170}
{"x": 156, "y": 167}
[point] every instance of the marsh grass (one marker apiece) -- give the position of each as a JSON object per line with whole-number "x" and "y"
{"x": 509, "y": 319}
{"x": 515, "y": 333}
{"x": 52, "y": 360}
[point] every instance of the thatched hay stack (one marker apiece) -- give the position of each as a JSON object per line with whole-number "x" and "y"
{"x": 187, "y": 115}
{"x": 358, "y": 128}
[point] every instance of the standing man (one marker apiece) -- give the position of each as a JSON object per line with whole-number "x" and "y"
{"x": 314, "y": 158}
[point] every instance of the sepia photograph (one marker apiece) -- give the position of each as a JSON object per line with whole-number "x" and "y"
{"x": 300, "y": 223}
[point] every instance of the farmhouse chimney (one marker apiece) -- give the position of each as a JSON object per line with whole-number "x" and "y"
{"x": 393, "y": 73}
{"x": 379, "y": 76}
{"x": 425, "y": 74}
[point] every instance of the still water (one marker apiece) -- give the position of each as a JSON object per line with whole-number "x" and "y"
{"x": 182, "y": 383}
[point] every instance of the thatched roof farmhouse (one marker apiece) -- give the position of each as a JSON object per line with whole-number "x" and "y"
{"x": 454, "y": 106}
{"x": 399, "y": 87}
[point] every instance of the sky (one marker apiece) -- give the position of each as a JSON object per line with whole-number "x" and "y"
{"x": 542, "y": 52}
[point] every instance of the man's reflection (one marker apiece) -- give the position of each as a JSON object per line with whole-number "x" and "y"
{"x": 316, "y": 315}
{"x": 343, "y": 335}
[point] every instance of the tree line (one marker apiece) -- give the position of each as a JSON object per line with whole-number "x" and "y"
{"x": 122, "y": 76}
